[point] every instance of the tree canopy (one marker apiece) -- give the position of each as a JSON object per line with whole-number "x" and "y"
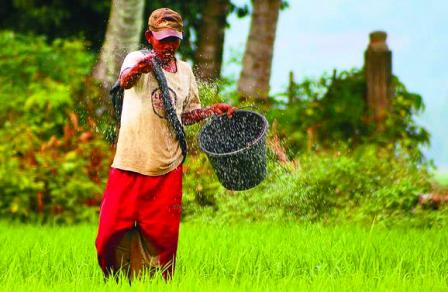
{"x": 88, "y": 19}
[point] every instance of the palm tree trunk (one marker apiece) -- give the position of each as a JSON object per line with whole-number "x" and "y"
{"x": 122, "y": 36}
{"x": 208, "y": 56}
{"x": 257, "y": 60}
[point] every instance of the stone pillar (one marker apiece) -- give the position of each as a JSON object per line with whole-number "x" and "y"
{"x": 378, "y": 72}
{"x": 291, "y": 88}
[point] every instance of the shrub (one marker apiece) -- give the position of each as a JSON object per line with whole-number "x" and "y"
{"x": 368, "y": 184}
{"x": 319, "y": 114}
{"x": 52, "y": 166}
{"x": 38, "y": 78}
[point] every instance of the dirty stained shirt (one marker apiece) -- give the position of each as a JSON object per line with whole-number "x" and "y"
{"x": 146, "y": 143}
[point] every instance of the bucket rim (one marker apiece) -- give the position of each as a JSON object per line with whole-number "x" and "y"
{"x": 262, "y": 134}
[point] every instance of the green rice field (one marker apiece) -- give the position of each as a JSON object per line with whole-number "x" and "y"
{"x": 243, "y": 257}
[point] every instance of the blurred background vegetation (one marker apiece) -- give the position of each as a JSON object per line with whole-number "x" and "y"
{"x": 328, "y": 161}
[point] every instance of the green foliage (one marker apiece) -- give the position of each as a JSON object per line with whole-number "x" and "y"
{"x": 87, "y": 19}
{"x": 332, "y": 109}
{"x": 58, "y": 18}
{"x": 59, "y": 180}
{"x": 367, "y": 184}
{"x": 200, "y": 187}
{"x": 400, "y": 125}
{"x": 30, "y": 70}
{"x": 52, "y": 167}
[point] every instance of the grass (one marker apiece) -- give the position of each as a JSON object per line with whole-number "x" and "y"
{"x": 256, "y": 257}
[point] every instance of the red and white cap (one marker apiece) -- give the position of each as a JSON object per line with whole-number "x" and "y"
{"x": 164, "y": 23}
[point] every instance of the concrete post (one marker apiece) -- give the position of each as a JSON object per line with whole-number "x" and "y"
{"x": 291, "y": 87}
{"x": 378, "y": 72}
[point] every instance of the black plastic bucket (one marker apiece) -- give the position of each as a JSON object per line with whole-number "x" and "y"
{"x": 236, "y": 148}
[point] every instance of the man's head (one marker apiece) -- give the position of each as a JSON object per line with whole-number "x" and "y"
{"x": 164, "y": 30}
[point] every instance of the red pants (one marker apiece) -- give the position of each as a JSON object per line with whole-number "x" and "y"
{"x": 150, "y": 203}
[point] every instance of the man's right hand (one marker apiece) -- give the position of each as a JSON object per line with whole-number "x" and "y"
{"x": 129, "y": 77}
{"x": 144, "y": 65}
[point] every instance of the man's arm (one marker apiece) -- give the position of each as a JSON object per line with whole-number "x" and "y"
{"x": 129, "y": 76}
{"x": 197, "y": 115}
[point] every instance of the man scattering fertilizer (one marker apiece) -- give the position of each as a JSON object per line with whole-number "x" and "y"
{"x": 141, "y": 207}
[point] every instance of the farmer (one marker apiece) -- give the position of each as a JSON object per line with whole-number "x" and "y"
{"x": 141, "y": 207}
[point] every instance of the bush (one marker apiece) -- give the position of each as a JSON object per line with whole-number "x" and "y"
{"x": 319, "y": 114}
{"x": 40, "y": 79}
{"x": 52, "y": 166}
{"x": 361, "y": 186}
{"x": 60, "y": 180}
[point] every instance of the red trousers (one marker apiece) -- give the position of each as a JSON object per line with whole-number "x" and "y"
{"x": 149, "y": 204}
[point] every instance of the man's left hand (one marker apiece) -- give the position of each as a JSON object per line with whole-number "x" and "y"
{"x": 197, "y": 115}
{"x": 221, "y": 108}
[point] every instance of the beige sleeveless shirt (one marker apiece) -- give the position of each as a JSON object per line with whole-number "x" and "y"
{"x": 146, "y": 143}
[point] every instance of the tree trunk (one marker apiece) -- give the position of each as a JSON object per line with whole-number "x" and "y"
{"x": 122, "y": 36}
{"x": 208, "y": 56}
{"x": 257, "y": 61}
